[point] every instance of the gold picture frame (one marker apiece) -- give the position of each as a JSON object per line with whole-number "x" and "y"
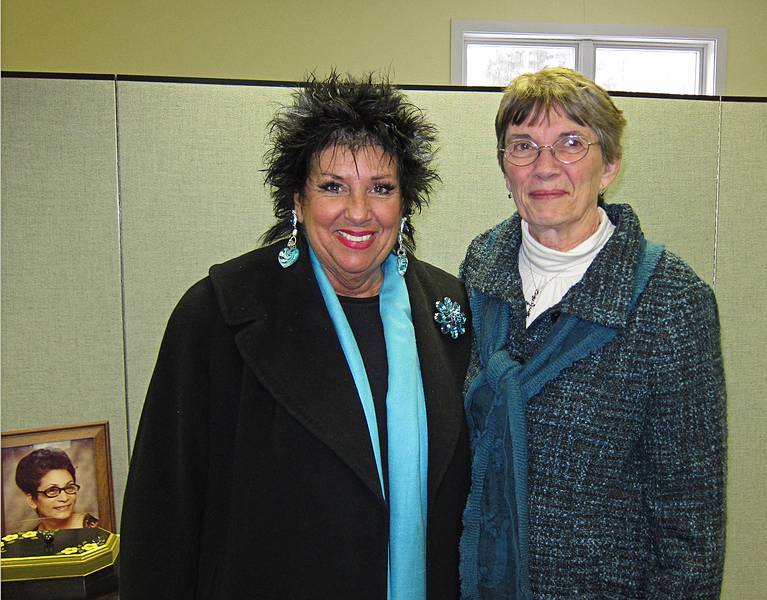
{"x": 87, "y": 445}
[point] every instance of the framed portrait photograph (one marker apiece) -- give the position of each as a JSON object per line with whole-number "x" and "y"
{"x": 57, "y": 478}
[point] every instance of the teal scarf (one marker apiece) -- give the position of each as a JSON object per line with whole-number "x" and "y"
{"x": 405, "y": 422}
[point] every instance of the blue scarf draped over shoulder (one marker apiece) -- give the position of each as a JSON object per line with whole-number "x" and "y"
{"x": 494, "y": 544}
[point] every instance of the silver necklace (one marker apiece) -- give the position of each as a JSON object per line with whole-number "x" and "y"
{"x": 537, "y": 290}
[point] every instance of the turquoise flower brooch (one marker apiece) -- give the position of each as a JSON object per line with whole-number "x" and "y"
{"x": 450, "y": 317}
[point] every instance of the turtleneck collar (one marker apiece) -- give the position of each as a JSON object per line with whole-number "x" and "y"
{"x": 548, "y": 274}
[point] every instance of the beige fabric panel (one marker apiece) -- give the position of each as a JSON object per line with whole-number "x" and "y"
{"x": 62, "y": 342}
{"x": 191, "y": 194}
{"x": 668, "y": 174}
{"x": 472, "y": 196}
{"x": 741, "y": 293}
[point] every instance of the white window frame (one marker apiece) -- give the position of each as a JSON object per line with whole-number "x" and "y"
{"x": 712, "y": 42}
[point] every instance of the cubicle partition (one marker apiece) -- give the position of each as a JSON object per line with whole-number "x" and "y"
{"x": 118, "y": 193}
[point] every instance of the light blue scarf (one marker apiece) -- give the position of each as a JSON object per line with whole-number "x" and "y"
{"x": 405, "y": 422}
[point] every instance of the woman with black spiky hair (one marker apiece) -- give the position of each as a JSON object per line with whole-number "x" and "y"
{"x": 303, "y": 434}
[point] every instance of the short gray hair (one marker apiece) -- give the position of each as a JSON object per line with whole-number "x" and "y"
{"x": 532, "y": 95}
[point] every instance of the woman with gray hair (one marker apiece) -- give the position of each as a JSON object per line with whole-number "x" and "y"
{"x": 595, "y": 396}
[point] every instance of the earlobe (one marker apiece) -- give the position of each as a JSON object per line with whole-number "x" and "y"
{"x": 31, "y": 501}
{"x": 297, "y": 206}
{"x": 610, "y": 172}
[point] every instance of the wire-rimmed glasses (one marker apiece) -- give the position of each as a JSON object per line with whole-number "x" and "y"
{"x": 567, "y": 150}
{"x": 54, "y": 491}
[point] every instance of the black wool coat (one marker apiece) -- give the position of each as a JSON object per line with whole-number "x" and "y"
{"x": 252, "y": 475}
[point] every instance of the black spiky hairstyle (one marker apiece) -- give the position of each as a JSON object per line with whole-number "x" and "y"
{"x": 354, "y": 113}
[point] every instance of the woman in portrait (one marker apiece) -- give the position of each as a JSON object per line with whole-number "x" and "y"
{"x": 47, "y": 477}
{"x": 595, "y": 394}
{"x": 303, "y": 435}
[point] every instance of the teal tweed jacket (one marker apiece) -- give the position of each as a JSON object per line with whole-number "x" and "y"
{"x": 627, "y": 447}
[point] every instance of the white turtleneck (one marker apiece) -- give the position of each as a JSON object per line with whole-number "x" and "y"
{"x": 552, "y": 272}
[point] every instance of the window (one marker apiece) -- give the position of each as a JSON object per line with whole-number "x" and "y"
{"x": 619, "y": 58}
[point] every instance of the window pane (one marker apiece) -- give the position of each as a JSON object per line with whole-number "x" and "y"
{"x": 648, "y": 70}
{"x": 498, "y": 64}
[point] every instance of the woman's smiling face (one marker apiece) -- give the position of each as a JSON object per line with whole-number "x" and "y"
{"x": 60, "y": 507}
{"x": 351, "y": 208}
{"x": 558, "y": 201}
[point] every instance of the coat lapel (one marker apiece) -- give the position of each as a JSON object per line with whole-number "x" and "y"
{"x": 287, "y": 339}
{"x": 442, "y": 373}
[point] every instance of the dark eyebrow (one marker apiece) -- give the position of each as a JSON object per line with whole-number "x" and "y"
{"x": 375, "y": 177}
{"x": 53, "y": 485}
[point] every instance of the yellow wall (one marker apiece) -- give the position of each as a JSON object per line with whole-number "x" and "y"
{"x": 283, "y": 39}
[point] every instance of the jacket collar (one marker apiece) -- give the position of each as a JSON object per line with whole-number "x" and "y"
{"x": 601, "y": 296}
{"x": 287, "y": 339}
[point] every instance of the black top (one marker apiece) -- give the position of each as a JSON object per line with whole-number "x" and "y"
{"x": 364, "y": 318}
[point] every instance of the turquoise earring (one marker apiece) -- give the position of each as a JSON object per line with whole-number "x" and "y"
{"x": 289, "y": 254}
{"x": 401, "y": 254}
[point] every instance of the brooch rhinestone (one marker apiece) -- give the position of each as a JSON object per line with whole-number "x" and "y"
{"x": 450, "y": 317}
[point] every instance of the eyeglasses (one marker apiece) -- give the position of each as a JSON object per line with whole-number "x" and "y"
{"x": 54, "y": 490}
{"x": 567, "y": 150}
